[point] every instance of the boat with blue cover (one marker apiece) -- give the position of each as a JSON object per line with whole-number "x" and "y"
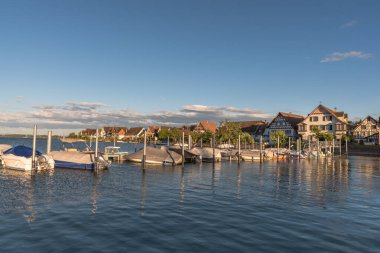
{"x": 20, "y": 158}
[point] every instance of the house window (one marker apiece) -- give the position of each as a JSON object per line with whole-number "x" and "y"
{"x": 314, "y": 119}
{"x": 363, "y": 127}
{"x": 330, "y": 127}
{"x": 373, "y": 126}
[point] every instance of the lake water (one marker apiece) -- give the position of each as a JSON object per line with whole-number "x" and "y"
{"x": 307, "y": 206}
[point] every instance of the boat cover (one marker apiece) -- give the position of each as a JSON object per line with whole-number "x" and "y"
{"x": 74, "y": 160}
{"x": 156, "y": 155}
{"x": 21, "y": 151}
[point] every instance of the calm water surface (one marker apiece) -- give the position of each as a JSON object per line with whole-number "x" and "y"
{"x": 325, "y": 206}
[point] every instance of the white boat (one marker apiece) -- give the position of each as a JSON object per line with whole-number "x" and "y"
{"x": 158, "y": 156}
{"x": 207, "y": 155}
{"x": 114, "y": 153}
{"x": 225, "y": 146}
{"x": 20, "y": 158}
{"x": 250, "y": 155}
{"x": 4, "y": 147}
{"x": 79, "y": 160}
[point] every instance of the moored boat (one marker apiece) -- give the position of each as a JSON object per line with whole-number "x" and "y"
{"x": 78, "y": 160}
{"x": 20, "y": 158}
{"x": 158, "y": 156}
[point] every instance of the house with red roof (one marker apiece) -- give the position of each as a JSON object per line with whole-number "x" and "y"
{"x": 327, "y": 120}
{"x": 205, "y": 126}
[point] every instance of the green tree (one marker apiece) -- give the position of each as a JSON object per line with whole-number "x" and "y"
{"x": 321, "y": 135}
{"x": 173, "y": 134}
{"x": 246, "y": 137}
{"x": 280, "y": 136}
{"x": 229, "y": 131}
{"x": 72, "y": 135}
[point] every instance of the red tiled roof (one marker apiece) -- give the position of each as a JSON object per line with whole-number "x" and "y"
{"x": 208, "y": 126}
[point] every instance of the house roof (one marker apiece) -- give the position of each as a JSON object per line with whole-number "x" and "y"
{"x": 293, "y": 119}
{"x": 153, "y": 129}
{"x": 134, "y": 131}
{"x": 336, "y": 114}
{"x": 368, "y": 118}
{"x": 208, "y": 126}
{"x": 253, "y": 127}
{"x": 114, "y": 129}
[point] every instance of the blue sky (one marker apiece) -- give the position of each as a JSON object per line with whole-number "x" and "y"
{"x": 136, "y": 62}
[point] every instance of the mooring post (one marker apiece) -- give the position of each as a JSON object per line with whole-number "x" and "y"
{"x": 97, "y": 143}
{"x": 34, "y": 147}
{"x": 144, "y": 152}
{"x": 289, "y": 144}
{"x": 340, "y": 147}
{"x": 190, "y": 144}
{"x": 317, "y": 148}
{"x": 48, "y": 145}
{"x": 168, "y": 140}
{"x": 183, "y": 149}
{"x": 213, "y": 148}
{"x": 299, "y": 149}
{"x": 201, "y": 141}
{"x": 239, "y": 149}
{"x": 333, "y": 147}
{"x": 278, "y": 145}
{"x": 309, "y": 155}
{"x": 347, "y": 146}
{"x": 261, "y": 149}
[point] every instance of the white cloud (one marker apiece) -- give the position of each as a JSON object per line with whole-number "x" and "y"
{"x": 83, "y": 115}
{"x": 349, "y": 24}
{"x": 337, "y": 56}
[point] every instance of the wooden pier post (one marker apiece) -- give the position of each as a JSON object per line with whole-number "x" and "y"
{"x": 97, "y": 143}
{"x": 309, "y": 155}
{"x": 183, "y": 149}
{"x": 346, "y": 146}
{"x": 144, "y": 151}
{"x": 190, "y": 142}
{"x": 261, "y": 149}
{"x": 213, "y": 148}
{"x": 34, "y": 148}
{"x": 239, "y": 149}
{"x": 340, "y": 147}
{"x": 278, "y": 145}
{"x": 201, "y": 141}
{"x": 317, "y": 148}
{"x": 333, "y": 147}
{"x": 48, "y": 144}
{"x": 289, "y": 144}
{"x": 299, "y": 147}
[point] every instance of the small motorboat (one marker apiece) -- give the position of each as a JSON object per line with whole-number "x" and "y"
{"x": 250, "y": 155}
{"x": 4, "y": 147}
{"x": 207, "y": 154}
{"x": 158, "y": 156}
{"x": 20, "y": 158}
{"x": 79, "y": 160}
{"x": 114, "y": 153}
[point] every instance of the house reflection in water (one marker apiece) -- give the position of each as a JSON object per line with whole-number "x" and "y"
{"x": 313, "y": 180}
